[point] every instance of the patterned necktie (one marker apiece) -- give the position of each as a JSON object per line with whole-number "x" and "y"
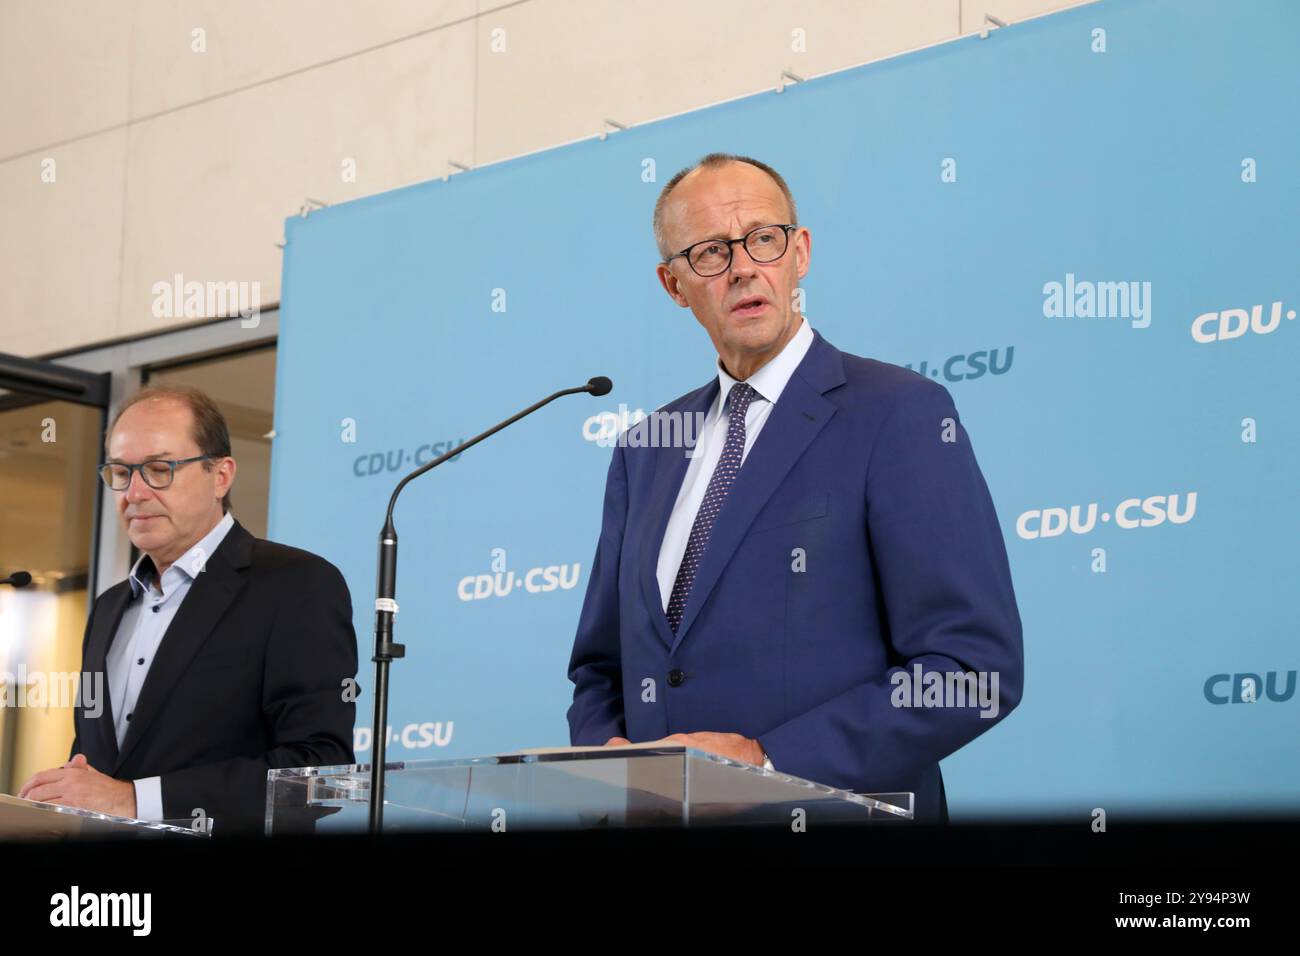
{"x": 724, "y": 475}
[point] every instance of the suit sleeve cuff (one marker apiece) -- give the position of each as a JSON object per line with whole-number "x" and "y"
{"x": 148, "y": 798}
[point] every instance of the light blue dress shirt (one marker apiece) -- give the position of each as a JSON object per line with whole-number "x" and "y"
{"x": 140, "y": 634}
{"x": 769, "y": 382}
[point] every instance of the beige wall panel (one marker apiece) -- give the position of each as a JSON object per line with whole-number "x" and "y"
{"x": 569, "y": 64}
{"x": 209, "y": 187}
{"x": 253, "y": 41}
{"x": 64, "y": 70}
{"x": 60, "y": 246}
{"x": 972, "y": 11}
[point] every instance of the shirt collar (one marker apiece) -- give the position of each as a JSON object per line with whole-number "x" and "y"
{"x": 190, "y": 564}
{"x": 770, "y": 380}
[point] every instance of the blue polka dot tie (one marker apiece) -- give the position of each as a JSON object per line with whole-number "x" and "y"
{"x": 724, "y": 475}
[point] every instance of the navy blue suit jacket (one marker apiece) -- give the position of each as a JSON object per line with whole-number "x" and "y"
{"x": 903, "y": 564}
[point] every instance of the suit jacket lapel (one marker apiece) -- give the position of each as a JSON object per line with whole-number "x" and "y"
{"x": 209, "y": 596}
{"x": 798, "y": 416}
{"x": 99, "y": 742}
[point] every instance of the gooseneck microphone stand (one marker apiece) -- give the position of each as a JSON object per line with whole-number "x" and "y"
{"x": 386, "y": 606}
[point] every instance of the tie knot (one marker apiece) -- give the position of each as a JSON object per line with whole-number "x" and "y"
{"x": 742, "y": 393}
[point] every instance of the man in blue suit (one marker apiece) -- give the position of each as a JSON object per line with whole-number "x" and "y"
{"x": 777, "y": 593}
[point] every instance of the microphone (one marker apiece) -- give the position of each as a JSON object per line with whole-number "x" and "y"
{"x": 20, "y": 579}
{"x": 386, "y": 590}
{"x": 597, "y": 385}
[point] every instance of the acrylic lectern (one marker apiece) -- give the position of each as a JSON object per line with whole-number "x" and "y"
{"x": 566, "y": 788}
{"x": 28, "y": 820}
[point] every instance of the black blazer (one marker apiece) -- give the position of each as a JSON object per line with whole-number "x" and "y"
{"x": 248, "y": 677}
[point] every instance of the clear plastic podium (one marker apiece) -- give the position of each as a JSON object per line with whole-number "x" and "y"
{"x": 566, "y": 788}
{"x": 29, "y": 820}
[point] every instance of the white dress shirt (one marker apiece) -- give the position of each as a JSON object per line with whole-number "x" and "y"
{"x": 140, "y": 634}
{"x": 769, "y": 382}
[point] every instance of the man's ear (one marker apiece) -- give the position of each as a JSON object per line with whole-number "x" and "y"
{"x": 671, "y": 285}
{"x": 225, "y": 476}
{"x": 803, "y": 251}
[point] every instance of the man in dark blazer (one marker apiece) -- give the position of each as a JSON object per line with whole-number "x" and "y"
{"x": 225, "y": 655}
{"x": 829, "y": 543}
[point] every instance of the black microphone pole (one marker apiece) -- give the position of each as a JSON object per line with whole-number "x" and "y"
{"x": 19, "y": 579}
{"x": 385, "y": 590}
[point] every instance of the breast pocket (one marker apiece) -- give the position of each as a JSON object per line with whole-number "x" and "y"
{"x": 780, "y": 512}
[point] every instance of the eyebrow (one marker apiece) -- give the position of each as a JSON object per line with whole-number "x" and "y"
{"x": 744, "y": 228}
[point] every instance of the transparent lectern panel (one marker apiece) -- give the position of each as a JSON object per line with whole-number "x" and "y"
{"x": 570, "y": 788}
{"x": 29, "y": 820}
{"x": 728, "y": 793}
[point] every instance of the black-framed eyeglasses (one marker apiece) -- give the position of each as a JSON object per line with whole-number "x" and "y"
{"x": 157, "y": 472}
{"x": 712, "y": 257}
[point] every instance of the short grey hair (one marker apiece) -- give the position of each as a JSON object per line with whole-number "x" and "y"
{"x": 713, "y": 161}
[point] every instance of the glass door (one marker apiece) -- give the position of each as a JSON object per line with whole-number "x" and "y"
{"x": 49, "y": 506}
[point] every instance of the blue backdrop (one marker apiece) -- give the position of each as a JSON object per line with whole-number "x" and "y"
{"x": 946, "y": 192}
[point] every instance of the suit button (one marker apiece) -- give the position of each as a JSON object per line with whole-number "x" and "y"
{"x": 130, "y": 715}
{"x": 676, "y": 678}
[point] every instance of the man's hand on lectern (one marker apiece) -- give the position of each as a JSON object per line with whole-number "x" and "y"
{"x": 78, "y": 784}
{"x": 617, "y": 742}
{"x": 733, "y": 746}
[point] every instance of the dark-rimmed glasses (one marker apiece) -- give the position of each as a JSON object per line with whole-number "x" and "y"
{"x": 712, "y": 257}
{"x": 157, "y": 472}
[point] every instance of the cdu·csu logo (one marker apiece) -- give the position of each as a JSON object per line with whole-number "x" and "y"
{"x": 1247, "y": 688}
{"x": 502, "y": 581}
{"x": 1128, "y": 514}
{"x": 1234, "y": 323}
{"x": 962, "y": 366}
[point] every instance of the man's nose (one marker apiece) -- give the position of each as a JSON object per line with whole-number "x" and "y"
{"x": 138, "y": 489}
{"x": 742, "y": 263}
